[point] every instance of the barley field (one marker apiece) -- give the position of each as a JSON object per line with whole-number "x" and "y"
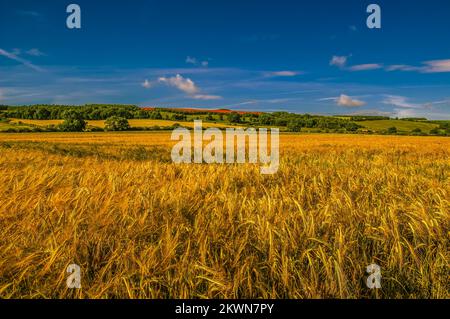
{"x": 140, "y": 226}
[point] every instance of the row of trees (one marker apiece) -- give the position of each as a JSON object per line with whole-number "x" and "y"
{"x": 87, "y": 112}
{"x": 295, "y": 122}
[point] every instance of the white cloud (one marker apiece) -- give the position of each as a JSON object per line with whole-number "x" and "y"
{"x": 339, "y": 61}
{"x": 147, "y": 84}
{"x": 283, "y": 73}
{"x": 371, "y": 112}
{"x": 347, "y": 101}
{"x": 403, "y": 113}
{"x": 238, "y": 104}
{"x": 195, "y": 61}
{"x": 400, "y": 101}
{"x": 402, "y": 67}
{"x": 191, "y": 60}
{"x": 366, "y": 67}
{"x": 434, "y": 66}
{"x": 437, "y": 66}
{"x": 35, "y": 52}
{"x": 183, "y": 84}
{"x": 206, "y": 97}
{"x": 404, "y": 108}
{"x": 20, "y": 60}
{"x": 328, "y": 99}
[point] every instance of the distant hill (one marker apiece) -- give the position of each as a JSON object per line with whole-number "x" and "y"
{"x": 400, "y": 125}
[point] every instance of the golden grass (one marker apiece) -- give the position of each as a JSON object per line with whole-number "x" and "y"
{"x": 142, "y": 227}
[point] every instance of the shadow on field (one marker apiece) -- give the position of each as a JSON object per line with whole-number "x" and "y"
{"x": 98, "y": 151}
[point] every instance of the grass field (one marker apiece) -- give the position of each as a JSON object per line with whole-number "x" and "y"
{"x": 142, "y": 227}
{"x": 405, "y": 126}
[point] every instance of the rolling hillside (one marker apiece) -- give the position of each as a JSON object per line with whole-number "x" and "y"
{"x": 401, "y": 125}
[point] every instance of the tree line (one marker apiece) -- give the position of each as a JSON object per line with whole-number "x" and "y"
{"x": 87, "y": 112}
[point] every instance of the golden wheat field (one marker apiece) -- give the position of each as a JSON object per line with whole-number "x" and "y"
{"x": 140, "y": 226}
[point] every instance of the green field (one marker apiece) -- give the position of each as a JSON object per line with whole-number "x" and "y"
{"x": 401, "y": 125}
{"x": 5, "y": 126}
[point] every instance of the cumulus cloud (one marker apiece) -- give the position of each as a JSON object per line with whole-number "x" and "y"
{"x": 183, "y": 84}
{"x": 366, "y": 67}
{"x": 339, "y": 61}
{"x": 20, "y": 60}
{"x": 347, "y": 101}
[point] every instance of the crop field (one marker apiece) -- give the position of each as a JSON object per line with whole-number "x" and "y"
{"x": 140, "y": 226}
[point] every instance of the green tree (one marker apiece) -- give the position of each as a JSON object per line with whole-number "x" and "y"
{"x": 435, "y": 131}
{"x": 73, "y": 122}
{"x": 265, "y": 119}
{"x": 352, "y": 127}
{"x": 179, "y": 117}
{"x": 234, "y": 117}
{"x": 116, "y": 123}
{"x": 392, "y": 130}
{"x": 155, "y": 115}
{"x": 295, "y": 126}
{"x": 42, "y": 114}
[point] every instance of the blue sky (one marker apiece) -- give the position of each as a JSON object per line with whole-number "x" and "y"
{"x": 299, "y": 56}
